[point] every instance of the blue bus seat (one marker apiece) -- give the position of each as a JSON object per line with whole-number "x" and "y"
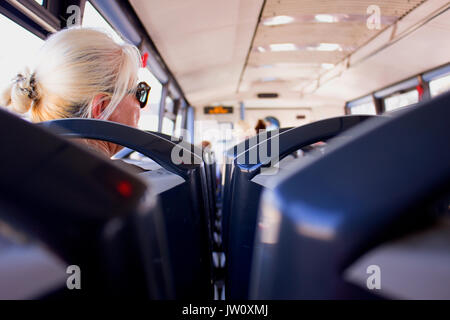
{"x": 388, "y": 182}
{"x": 245, "y": 192}
{"x": 185, "y": 205}
{"x": 85, "y": 210}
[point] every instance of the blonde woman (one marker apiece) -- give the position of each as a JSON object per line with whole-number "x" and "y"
{"x": 81, "y": 73}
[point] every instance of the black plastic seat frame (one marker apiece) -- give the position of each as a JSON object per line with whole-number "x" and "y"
{"x": 185, "y": 207}
{"x": 72, "y": 201}
{"x": 240, "y": 223}
{"x": 376, "y": 187}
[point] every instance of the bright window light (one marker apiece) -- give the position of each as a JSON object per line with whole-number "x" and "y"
{"x": 22, "y": 46}
{"x": 150, "y": 114}
{"x": 169, "y": 104}
{"x": 167, "y": 126}
{"x": 93, "y": 19}
{"x": 261, "y": 49}
{"x": 440, "y": 85}
{"x": 364, "y": 108}
{"x": 283, "y": 47}
{"x": 154, "y": 98}
{"x": 148, "y": 122}
{"x": 401, "y": 100}
{"x": 274, "y": 21}
{"x": 325, "y": 18}
{"x": 177, "y": 131}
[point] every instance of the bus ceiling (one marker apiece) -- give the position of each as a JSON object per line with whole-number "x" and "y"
{"x": 311, "y": 53}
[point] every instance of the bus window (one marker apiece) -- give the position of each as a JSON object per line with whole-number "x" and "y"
{"x": 364, "y": 108}
{"x": 364, "y": 105}
{"x": 400, "y": 100}
{"x": 41, "y": 2}
{"x": 148, "y": 122}
{"x": 440, "y": 85}
{"x": 219, "y": 133}
{"x": 93, "y": 19}
{"x": 168, "y": 124}
{"x": 150, "y": 114}
{"x": 22, "y": 47}
{"x": 178, "y": 123}
{"x": 225, "y": 138}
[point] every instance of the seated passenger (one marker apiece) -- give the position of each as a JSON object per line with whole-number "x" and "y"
{"x": 206, "y": 145}
{"x": 260, "y": 126}
{"x": 81, "y": 73}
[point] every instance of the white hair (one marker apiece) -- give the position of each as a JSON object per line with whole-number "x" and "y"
{"x": 74, "y": 66}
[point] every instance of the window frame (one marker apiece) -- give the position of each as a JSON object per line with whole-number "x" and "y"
{"x": 403, "y": 86}
{"x": 400, "y": 92}
{"x": 357, "y": 102}
{"x": 436, "y": 74}
{"x": 22, "y": 19}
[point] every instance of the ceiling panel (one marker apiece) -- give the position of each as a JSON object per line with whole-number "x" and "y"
{"x": 281, "y": 72}
{"x": 203, "y": 42}
{"x": 346, "y": 33}
{"x": 395, "y": 63}
{"x": 294, "y": 7}
{"x": 267, "y": 58}
{"x": 349, "y": 31}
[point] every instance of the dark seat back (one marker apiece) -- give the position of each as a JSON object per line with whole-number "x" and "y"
{"x": 209, "y": 163}
{"x": 331, "y": 210}
{"x": 85, "y": 209}
{"x": 228, "y": 166}
{"x": 245, "y": 193}
{"x": 185, "y": 206}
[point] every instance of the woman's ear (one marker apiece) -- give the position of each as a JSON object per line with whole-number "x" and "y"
{"x": 99, "y": 104}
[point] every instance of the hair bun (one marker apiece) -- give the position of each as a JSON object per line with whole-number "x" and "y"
{"x": 23, "y": 91}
